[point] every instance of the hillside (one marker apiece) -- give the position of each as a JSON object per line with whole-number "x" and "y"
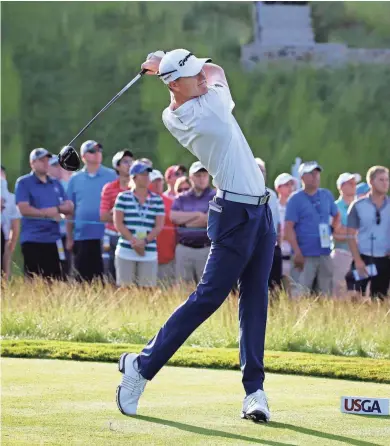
{"x": 62, "y": 61}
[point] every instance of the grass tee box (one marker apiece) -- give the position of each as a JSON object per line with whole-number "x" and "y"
{"x": 360, "y": 369}
{"x": 72, "y": 402}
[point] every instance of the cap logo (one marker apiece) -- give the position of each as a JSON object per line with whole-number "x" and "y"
{"x": 183, "y": 61}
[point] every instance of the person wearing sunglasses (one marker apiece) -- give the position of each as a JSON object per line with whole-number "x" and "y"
{"x": 369, "y": 220}
{"x": 171, "y": 175}
{"x": 341, "y": 254}
{"x": 121, "y": 162}
{"x": 41, "y": 201}
{"x": 182, "y": 185}
{"x": 85, "y": 236}
{"x": 308, "y": 230}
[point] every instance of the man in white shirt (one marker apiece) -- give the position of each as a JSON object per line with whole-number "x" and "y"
{"x": 240, "y": 228}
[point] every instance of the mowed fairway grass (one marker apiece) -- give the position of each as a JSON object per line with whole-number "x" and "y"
{"x": 69, "y": 402}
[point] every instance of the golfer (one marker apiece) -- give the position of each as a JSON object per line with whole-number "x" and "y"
{"x": 240, "y": 228}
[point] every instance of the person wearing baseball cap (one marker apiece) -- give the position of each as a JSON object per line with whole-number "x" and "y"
{"x": 284, "y": 184}
{"x": 139, "y": 218}
{"x": 171, "y": 175}
{"x": 121, "y": 163}
{"x": 85, "y": 235}
{"x": 189, "y": 213}
{"x": 341, "y": 254}
{"x": 239, "y": 227}
{"x": 166, "y": 240}
{"x": 307, "y": 228}
{"x": 41, "y": 201}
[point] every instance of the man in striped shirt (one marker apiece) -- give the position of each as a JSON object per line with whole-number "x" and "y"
{"x": 139, "y": 218}
{"x": 121, "y": 162}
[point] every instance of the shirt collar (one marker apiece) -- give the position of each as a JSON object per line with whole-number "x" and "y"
{"x": 97, "y": 173}
{"x": 38, "y": 181}
{"x": 386, "y": 202}
{"x": 205, "y": 192}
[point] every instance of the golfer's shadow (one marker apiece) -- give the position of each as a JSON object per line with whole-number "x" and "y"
{"x": 209, "y": 432}
{"x": 272, "y": 424}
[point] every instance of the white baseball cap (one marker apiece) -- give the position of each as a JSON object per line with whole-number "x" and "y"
{"x": 117, "y": 158}
{"x": 155, "y": 175}
{"x": 37, "y": 154}
{"x": 179, "y": 63}
{"x": 196, "y": 167}
{"x": 346, "y": 176}
{"x": 308, "y": 167}
{"x": 283, "y": 178}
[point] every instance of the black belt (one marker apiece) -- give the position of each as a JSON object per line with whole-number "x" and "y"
{"x": 286, "y": 257}
{"x": 195, "y": 246}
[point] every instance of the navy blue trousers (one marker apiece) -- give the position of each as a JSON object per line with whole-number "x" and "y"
{"x": 243, "y": 240}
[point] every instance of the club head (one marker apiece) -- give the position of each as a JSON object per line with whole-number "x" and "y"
{"x": 69, "y": 159}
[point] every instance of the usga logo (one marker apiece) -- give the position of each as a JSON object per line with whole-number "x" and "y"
{"x": 364, "y": 405}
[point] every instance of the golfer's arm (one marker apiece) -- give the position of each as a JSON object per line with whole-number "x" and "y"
{"x": 157, "y": 228}
{"x": 214, "y": 73}
{"x": 290, "y": 236}
{"x": 120, "y": 226}
{"x": 181, "y": 218}
{"x": 351, "y": 238}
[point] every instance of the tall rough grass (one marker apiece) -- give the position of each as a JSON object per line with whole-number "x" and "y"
{"x": 73, "y": 312}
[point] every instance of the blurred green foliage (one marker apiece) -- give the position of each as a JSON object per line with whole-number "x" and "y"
{"x": 63, "y": 61}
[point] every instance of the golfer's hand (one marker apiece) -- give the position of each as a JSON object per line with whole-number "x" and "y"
{"x": 153, "y": 62}
{"x": 299, "y": 261}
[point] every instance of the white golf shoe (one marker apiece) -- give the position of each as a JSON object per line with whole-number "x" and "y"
{"x": 132, "y": 385}
{"x": 255, "y": 407}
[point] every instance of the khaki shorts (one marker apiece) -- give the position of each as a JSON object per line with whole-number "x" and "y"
{"x": 130, "y": 272}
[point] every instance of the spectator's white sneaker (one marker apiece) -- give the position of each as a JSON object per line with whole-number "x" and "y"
{"x": 132, "y": 385}
{"x": 255, "y": 407}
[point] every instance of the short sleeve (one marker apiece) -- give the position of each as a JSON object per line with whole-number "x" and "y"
{"x": 291, "y": 210}
{"x": 120, "y": 203}
{"x": 353, "y": 220}
{"x": 105, "y": 200}
{"x": 333, "y": 207}
{"x": 14, "y": 212}
{"x": 22, "y": 193}
{"x": 177, "y": 205}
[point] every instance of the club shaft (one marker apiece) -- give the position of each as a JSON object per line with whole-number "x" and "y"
{"x": 117, "y": 96}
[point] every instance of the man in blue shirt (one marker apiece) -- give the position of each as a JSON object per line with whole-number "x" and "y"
{"x": 369, "y": 220}
{"x": 86, "y": 234}
{"x": 307, "y": 229}
{"x": 41, "y": 199}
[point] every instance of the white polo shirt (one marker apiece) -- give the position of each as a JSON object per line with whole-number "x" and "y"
{"x": 207, "y": 128}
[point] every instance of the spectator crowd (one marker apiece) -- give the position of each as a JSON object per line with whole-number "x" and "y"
{"x": 130, "y": 224}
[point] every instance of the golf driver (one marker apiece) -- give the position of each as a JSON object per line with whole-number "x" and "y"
{"x": 68, "y": 158}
